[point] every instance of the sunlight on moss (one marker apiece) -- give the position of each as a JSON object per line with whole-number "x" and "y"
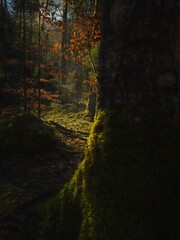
{"x": 71, "y": 120}
{"x": 71, "y": 209}
{"x": 94, "y": 205}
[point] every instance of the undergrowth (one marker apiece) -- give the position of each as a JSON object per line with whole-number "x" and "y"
{"x": 69, "y": 119}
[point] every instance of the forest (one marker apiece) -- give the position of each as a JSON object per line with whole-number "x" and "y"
{"x": 89, "y": 119}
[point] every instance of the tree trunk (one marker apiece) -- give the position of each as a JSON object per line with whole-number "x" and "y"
{"x": 64, "y": 41}
{"x": 132, "y": 184}
{"x": 141, "y": 56}
{"x": 24, "y": 56}
{"x": 137, "y": 169}
{"x": 91, "y": 105}
{"x": 20, "y": 52}
{"x": 39, "y": 65}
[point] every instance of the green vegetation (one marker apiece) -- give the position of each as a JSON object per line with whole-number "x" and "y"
{"x": 63, "y": 215}
{"x": 69, "y": 118}
{"x": 98, "y": 203}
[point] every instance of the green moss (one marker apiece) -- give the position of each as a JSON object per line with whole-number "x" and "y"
{"x": 68, "y": 215}
{"x": 62, "y": 214}
{"x": 123, "y": 188}
{"x": 76, "y": 121}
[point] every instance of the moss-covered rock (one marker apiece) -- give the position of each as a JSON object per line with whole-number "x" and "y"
{"x": 25, "y": 135}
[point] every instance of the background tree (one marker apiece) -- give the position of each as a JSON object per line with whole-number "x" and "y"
{"x": 21, "y": 59}
{"x": 7, "y": 54}
{"x": 64, "y": 41}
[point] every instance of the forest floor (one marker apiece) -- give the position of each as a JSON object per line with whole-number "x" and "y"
{"x": 37, "y": 157}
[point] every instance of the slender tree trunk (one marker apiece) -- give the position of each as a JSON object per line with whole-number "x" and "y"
{"x": 95, "y": 10}
{"x": 4, "y": 20}
{"x": 5, "y": 12}
{"x": 39, "y": 66}
{"x": 64, "y": 41}
{"x": 20, "y": 52}
{"x": 24, "y": 56}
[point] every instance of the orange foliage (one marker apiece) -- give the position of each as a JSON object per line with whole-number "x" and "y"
{"x": 84, "y": 35}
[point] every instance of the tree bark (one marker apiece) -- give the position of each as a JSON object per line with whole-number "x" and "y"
{"x": 39, "y": 65}
{"x": 24, "y": 56}
{"x": 138, "y": 70}
{"x": 145, "y": 42}
{"x": 64, "y": 41}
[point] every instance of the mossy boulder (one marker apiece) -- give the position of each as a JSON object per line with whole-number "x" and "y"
{"x": 25, "y": 135}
